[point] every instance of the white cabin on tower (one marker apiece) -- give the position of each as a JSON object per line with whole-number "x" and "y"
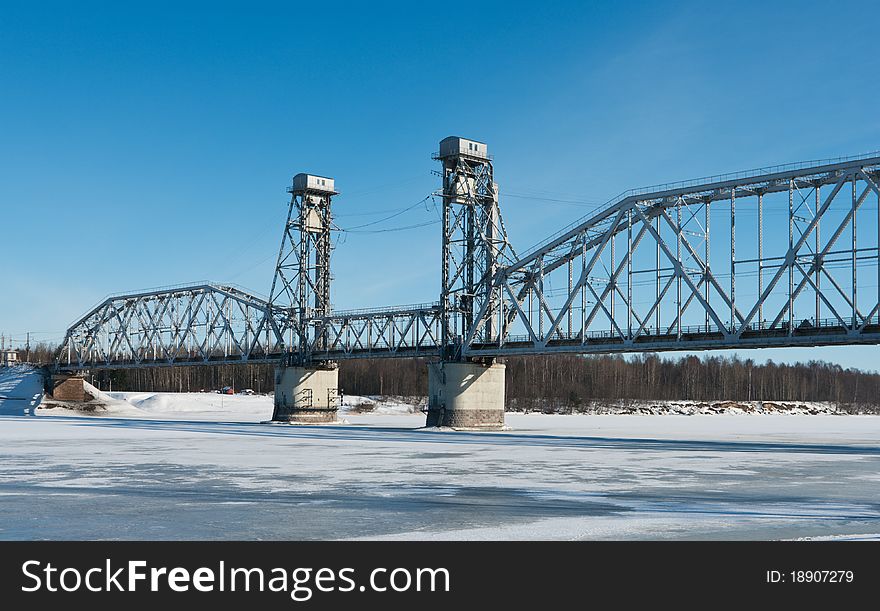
{"x": 454, "y": 146}
{"x": 309, "y": 183}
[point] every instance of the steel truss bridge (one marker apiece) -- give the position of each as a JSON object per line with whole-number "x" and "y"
{"x": 782, "y": 256}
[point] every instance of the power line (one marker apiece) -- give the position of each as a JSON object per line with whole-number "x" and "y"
{"x": 404, "y": 228}
{"x": 252, "y": 266}
{"x": 355, "y": 229}
{"x": 372, "y": 213}
{"x": 389, "y": 217}
{"x": 385, "y": 187}
{"x": 570, "y": 202}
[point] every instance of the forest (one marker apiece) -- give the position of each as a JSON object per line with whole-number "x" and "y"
{"x": 536, "y": 382}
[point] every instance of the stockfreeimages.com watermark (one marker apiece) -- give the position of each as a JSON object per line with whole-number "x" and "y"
{"x": 300, "y": 583}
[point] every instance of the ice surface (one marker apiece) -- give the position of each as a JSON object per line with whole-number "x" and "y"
{"x": 201, "y": 466}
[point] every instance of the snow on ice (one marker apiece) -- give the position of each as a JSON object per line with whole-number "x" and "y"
{"x": 201, "y": 466}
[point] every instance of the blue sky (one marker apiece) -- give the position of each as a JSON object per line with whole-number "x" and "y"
{"x": 151, "y": 144}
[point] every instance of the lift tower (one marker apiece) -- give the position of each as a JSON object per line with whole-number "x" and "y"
{"x": 306, "y": 390}
{"x": 466, "y": 394}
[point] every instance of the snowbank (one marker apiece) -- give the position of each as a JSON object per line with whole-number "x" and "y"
{"x": 358, "y": 404}
{"x": 865, "y": 537}
{"x": 219, "y": 407}
{"x": 694, "y": 408}
{"x": 689, "y": 408}
{"x": 101, "y": 404}
{"x": 21, "y": 390}
{"x": 190, "y": 403}
{"x": 258, "y": 408}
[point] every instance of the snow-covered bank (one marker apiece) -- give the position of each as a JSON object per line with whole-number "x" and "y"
{"x": 247, "y": 408}
{"x": 21, "y": 390}
{"x": 692, "y": 408}
{"x": 99, "y": 403}
{"x": 199, "y": 405}
{"x": 383, "y": 405}
{"x": 865, "y": 537}
{"x": 22, "y": 393}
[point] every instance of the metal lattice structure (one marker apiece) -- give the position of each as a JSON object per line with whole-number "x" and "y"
{"x": 301, "y": 287}
{"x": 645, "y": 273}
{"x": 474, "y": 243}
{"x": 185, "y": 325}
{"x": 782, "y": 256}
{"x": 391, "y": 332}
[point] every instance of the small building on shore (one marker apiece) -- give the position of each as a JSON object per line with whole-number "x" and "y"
{"x": 8, "y": 357}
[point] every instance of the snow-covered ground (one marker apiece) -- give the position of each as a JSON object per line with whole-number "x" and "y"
{"x": 21, "y": 390}
{"x": 694, "y": 408}
{"x": 205, "y": 406}
{"x": 202, "y": 466}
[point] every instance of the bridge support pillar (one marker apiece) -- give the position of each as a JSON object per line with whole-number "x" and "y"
{"x": 67, "y": 387}
{"x": 468, "y": 396}
{"x": 306, "y": 395}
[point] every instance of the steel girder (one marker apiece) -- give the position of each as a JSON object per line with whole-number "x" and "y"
{"x": 187, "y": 325}
{"x": 675, "y": 289}
{"x": 390, "y": 332}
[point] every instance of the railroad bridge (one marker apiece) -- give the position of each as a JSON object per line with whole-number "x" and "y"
{"x": 773, "y": 257}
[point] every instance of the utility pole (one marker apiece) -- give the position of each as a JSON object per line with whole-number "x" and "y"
{"x": 27, "y": 358}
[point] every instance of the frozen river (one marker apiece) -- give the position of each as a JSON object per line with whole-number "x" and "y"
{"x": 190, "y": 470}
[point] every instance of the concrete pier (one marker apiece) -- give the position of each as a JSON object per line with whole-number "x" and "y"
{"x": 467, "y": 396}
{"x": 306, "y": 395}
{"x": 67, "y": 387}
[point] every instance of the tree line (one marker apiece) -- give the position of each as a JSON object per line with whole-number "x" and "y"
{"x": 574, "y": 380}
{"x": 536, "y": 382}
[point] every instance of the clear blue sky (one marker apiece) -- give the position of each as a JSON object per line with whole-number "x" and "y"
{"x": 151, "y": 144}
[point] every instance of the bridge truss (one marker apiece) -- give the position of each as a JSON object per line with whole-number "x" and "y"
{"x": 184, "y": 325}
{"x": 402, "y": 331}
{"x": 651, "y": 272}
{"x": 781, "y": 256}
